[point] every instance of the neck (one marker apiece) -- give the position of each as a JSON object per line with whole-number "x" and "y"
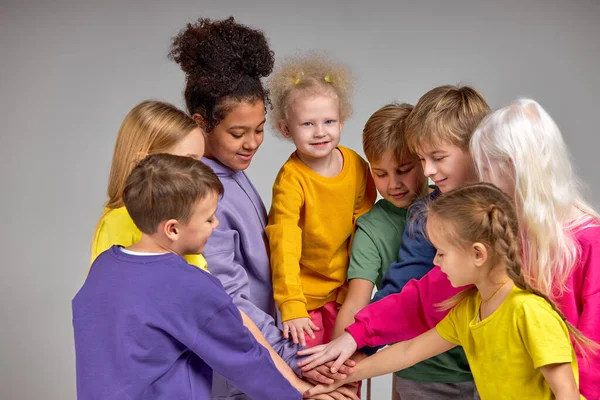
{"x": 494, "y": 285}
{"x": 327, "y": 166}
{"x": 153, "y": 244}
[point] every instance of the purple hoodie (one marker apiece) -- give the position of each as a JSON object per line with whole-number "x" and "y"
{"x": 236, "y": 253}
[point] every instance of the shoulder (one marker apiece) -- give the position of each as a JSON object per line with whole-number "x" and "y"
{"x": 588, "y": 236}
{"x": 353, "y": 157}
{"x": 194, "y": 284}
{"x": 118, "y": 217}
{"x": 375, "y": 216}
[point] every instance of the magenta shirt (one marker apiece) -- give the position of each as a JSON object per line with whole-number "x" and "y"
{"x": 405, "y": 315}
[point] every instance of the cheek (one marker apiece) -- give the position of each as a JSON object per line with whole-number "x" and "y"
{"x": 381, "y": 184}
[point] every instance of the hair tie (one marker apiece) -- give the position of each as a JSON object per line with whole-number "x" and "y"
{"x": 297, "y": 81}
{"x": 327, "y": 78}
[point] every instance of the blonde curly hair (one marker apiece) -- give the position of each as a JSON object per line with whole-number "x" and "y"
{"x": 313, "y": 73}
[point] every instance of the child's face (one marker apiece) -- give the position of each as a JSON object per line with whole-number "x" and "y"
{"x": 235, "y": 140}
{"x": 454, "y": 261}
{"x": 398, "y": 184}
{"x": 192, "y": 145}
{"x": 447, "y": 165}
{"x": 313, "y": 123}
{"x": 194, "y": 235}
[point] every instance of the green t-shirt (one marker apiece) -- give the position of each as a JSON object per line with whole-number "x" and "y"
{"x": 375, "y": 247}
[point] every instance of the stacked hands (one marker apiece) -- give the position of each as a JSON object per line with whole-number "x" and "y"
{"x": 330, "y": 367}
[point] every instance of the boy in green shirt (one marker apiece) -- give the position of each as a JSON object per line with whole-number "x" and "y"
{"x": 399, "y": 179}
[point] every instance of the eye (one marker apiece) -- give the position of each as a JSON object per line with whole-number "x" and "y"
{"x": 436, "y": 159}
{"x": 406, "y": 171}
{"x": 381, "y": 175}
{"x": 306, "y": 123}
{"x": 236, "y": 135}
{"x": 330, "y": 121}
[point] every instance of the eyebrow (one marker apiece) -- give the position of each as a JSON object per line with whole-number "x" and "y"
{"x": 245, "y": 127}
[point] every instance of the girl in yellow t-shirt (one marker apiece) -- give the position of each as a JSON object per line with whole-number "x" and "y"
{"x": 318, "y": 195}
{"x": 516, "y": 340}
{"x": 150, "y": 127}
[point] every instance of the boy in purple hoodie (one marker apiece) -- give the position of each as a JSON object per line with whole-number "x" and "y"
{"x": 147, "y": 324}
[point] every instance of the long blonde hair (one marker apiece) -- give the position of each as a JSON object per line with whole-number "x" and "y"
{"x": 522, "y": 137}
{"x": 150, "y": 127}
{"x": 483, "y": 213}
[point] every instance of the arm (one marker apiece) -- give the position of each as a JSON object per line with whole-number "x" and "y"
{"x": 561, "y": 380}
{"x": 220, "y": 254}
{"x": 396, "y": 357}
{"x": 366, "y": 194}
{"x": 229, "y": 348}
{"x": 415, "y": 257}
{"x": 403, "y": 315}
{"x": 359, "y": 295}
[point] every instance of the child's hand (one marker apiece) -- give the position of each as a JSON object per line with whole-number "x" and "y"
{"x": 340, "y": 350}
{"x": 323, "y": 374}
{"x": 296, "y": 327}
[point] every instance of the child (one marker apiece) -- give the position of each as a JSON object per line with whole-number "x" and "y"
{"x": 317, "y": 197}
{"x": 516, "y": 340}
{"x": 150, "y": 127}
{"x": 398, "y": 177}
{"x": 148, "y": 324}
{"x": 224, "y": 62}
{"x": 438, "y": 130}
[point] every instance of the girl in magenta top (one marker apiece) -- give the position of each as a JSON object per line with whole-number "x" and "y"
{"x": 520, "y": 149}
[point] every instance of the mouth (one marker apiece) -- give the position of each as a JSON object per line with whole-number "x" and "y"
{"x": 440, "y": 182}
{"x": 320, "y": 144}
{"x": 399, "y": 195}
{"x": 245, "y": 157}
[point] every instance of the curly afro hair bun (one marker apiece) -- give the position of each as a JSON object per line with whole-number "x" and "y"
{"x": 221, "y": 59}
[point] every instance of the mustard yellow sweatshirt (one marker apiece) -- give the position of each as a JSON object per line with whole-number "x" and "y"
{"x": 311, "y": 223}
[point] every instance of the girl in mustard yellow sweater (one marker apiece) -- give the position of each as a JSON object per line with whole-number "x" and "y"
{"x": 318, "y": 195}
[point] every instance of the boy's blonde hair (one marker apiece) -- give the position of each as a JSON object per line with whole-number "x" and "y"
{"x": 150, "y": 127}
{"x": 310, "y": 73}
{"x": 384, "y": 131}
{"x": 166, "y": 186}
{"x": 446, "y": 114}
{"x": 522, "y": 137}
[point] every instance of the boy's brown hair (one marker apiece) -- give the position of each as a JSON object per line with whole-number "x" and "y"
{"x": 446, "y": 113}
{"x": 385, "y": 130}
{"x": 166, "y": 186}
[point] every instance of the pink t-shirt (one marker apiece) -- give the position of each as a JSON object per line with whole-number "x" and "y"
{"x": 405, "y": 315}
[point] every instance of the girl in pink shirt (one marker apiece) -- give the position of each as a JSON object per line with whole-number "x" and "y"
{"x": 520, "y": 149}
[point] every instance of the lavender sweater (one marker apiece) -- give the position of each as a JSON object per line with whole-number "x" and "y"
{"x": 237, "y": 254}
{"x": 155, "y": 327}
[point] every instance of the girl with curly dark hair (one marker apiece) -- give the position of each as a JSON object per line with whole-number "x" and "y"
{"x": 224, "y": 62}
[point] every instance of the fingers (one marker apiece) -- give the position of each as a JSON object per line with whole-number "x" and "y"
{"x": 294, "y": 333}
{"x": 324, "y": 370}
{"x": 315, "y": 360}
{"x": 348, "y": 392}
{"x": 319, "y": 389}
{"x": 286, "y": 330}
{"x": 345, "y": 368}
{"x": 313, "y": 326}
{"x": 310, "y": 351}
{"x": 337, "y": 364}
{"x": 310, "y": 333}
{"x": 317, "y": 376}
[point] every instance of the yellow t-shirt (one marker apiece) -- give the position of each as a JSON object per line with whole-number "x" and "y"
{"x": 506, "y": 349}
{"x": 311, "y": 223}
{"x": 117, "y": 228}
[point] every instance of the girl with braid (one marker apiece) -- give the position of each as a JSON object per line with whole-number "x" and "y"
{"x": 517, "y": 342}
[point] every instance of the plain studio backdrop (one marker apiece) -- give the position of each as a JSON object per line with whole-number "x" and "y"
{"x": 71, "y": 71}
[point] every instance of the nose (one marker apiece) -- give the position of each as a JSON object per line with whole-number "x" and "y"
{"x": 429, "y": 169}
{"x": 215, "y": 222}
{"x": 319, "y": 131}
{"x": 251, "y": 142}
{"x": 394, "y": 182}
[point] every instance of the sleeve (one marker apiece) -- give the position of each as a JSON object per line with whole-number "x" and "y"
{"x": 285, "y": 241}
{"x": 415, "y": 257}
{"x": 366, "y": 194}
{"x": 365, "y": 261}
{"x": 405, "y": 315}
{"x": 589, "y": 318}
{"x": 447, "y": 327}
{"x": 544, "y": 334}
{"x": 114, "y": 229}
{"x": 228, "y": 347}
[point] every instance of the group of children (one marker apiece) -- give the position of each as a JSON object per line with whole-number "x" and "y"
{"x": 196, "y": 292}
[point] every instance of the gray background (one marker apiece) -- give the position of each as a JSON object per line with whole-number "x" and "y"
{"x": 70, "y": 72}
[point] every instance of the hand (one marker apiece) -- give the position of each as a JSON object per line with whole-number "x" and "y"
{"x": 345, "y": 392}
{"x": 340, "y": 350}
{"x": 326, "y": 389}
{"x": 296, "y": 327}
{"x": 323, "y": 374}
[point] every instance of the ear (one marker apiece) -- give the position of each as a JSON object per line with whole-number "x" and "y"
{"x": 284, "y": 128}
{"x": 201, "y": 122}
{"x": 480, "y": 254}
{"x": 342, "y": 124}
{"x": 170, "y": 228}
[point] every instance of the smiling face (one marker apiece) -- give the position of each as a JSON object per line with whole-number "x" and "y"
{"x": 400, "y": 184}
{"x": 447, "y": 165}
{"x": 195, "y": 233}
{"x": 237, "y": 137}
{"x": 314, "y": 124}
